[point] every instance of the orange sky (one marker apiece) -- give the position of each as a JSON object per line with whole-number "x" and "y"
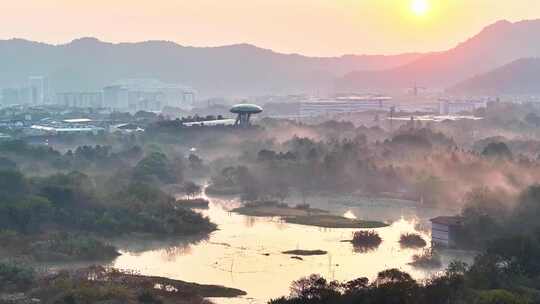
{"x": 311, "y": 27}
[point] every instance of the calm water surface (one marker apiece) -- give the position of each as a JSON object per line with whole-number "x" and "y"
{"x": 246, "y": 251}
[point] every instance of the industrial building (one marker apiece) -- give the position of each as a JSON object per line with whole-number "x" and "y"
{"x": 344, "y": 104}
{"x": 444, "y": 230}
{"x": 449, "y": 107}
{"x": 125, "y": 128}
{"x": 68, "y": 126}
{"x": 210, "y": 123}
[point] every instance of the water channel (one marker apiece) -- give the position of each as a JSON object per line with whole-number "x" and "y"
{"x": 246, "y": 252}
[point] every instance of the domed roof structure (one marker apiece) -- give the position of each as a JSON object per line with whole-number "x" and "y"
{"x": 244, "y": 112}
{"x": 246, "y": 108}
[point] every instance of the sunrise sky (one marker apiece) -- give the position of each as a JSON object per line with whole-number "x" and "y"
{"x": 311, "y": 27}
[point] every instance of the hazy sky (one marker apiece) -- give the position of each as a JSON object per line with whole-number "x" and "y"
{"x": 311, "y": 27}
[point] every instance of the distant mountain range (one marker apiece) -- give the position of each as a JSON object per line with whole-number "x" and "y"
{"x": 235, "y": 70}
{"x": 88, "y": 64}
{"x": 495, "y": 46}
{"x": 519, "y": 77}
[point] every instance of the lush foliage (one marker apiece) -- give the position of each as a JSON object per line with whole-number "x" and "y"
{"x": 155, "y": 167}
{"x": 74, "y": 201}
{"x": 65, "y": 247}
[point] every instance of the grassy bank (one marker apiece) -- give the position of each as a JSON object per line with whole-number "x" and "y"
{"x": 193, "y": 203}
{"x": 305, "y": 252}
{"x": 333, "y": 221}
{"x": 266, "y": 211}
{"x": 103, "y": 285}
{"x": 55, "y": 247}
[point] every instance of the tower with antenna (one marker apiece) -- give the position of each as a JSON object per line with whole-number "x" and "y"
{"x": 416, "y": 89}
{"x": 392, "y": 113}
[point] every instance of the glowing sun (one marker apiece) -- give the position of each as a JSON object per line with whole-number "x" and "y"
{"x": 419, "y": 7}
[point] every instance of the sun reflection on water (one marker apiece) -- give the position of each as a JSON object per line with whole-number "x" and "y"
{"x": 246, "y": 253}
{"x": 350, "y": 215}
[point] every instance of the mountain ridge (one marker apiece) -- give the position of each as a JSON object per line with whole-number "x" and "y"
{"x": 90, "y": 39}
{"x": 497, "y": 44}
{"x": 88, "y": 64}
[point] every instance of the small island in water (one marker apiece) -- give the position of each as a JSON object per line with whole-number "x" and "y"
{"x": 333, "y": 221}
{"x": 305, "y": 252}
{"x": 304, "y": 215}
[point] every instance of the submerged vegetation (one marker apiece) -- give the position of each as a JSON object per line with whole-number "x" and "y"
{"x": 412, "y": 240}
{"x": 365, "y": 240}
{"x": 429, "y": 258}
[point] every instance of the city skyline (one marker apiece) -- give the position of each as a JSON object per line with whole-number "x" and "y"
{"x": 308, "y": 27}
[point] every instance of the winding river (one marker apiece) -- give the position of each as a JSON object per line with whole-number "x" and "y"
{"x": 246, "y": 251}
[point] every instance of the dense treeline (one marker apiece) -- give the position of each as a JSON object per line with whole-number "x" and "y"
{"x": 66, "y": 206}
{"x": 72, "y": 201}
{"x": 489, "y": 213}
{"x": 416, "y": 164}
{"x": 307, "y": 166}
{"x": 41, "y": 159}
{"x": 55, "y": 247}
{"x": 120, "y": 194}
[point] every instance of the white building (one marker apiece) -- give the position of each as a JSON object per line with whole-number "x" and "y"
{"x": 39, "y": 89}
{"x": 147, "y": 95}
{"x": 59, "y": 129}
{"x": 208, "y": 123}
{"x": 449, "y": 107}
{"x": 343, "y": 104}
{"x": 125, "y": 128}
{"x": 80, "y": 99}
